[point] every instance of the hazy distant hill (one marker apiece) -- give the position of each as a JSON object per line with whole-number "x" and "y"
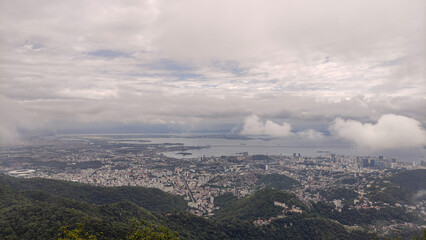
{"x": 414, "y": 180}
{"x": 403, "y": 187}
{"x": 26, "y": 213}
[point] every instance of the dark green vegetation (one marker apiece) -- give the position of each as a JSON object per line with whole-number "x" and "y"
{"x": 276, "y": 181}
{"x": 347, "y": 195}
{"x": 38, "y": 208}
{"x": 39, "y": 215}
{"x": 349, "y": 181}
{"x": 306, "y": 225}
{"x": 224, "y": 199}
{"x": 258, "y": 205}
{"x": 362, "y": 217}
{"x": 400, "y": 188}
{"x": 151, "y": 199}
{"x": 140, "y": 230}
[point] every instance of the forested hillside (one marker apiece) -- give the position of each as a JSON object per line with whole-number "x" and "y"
{"x": 38, "y": 208}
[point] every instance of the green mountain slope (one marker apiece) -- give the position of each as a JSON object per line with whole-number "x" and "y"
{"x": 400, "y": 188}
{"x": 276, "y": 181}
{"x": 290, "y": 225}
{"x": 258, "y": 205}
{"x": 39, "y": 214}
{"x": 149, "y": 198}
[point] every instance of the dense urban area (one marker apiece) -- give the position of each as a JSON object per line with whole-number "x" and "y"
{"x": 342, "y": 183}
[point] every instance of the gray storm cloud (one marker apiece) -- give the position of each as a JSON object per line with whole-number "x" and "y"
{"x": 389, "y": 132}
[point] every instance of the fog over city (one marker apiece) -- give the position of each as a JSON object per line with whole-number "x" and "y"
{"x": 312, "y": 70}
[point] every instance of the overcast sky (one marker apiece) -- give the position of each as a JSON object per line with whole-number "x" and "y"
{"x": 355, "y": 69}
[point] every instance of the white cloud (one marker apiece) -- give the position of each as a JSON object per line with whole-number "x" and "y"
{"x": 254, "y": 126}
{"x": 195, "y": 62}
{"x": 310, "y": 134}
{"x": 390, "y": 132}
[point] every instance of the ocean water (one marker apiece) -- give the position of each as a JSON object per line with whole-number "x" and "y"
{"x": 219, "y": 146}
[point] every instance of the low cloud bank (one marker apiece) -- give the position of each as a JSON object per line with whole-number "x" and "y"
{"x": 14, "y": 119}
{"x": 253, "y": 125}
{"x": 390, "y": 131}
{"x": 310, "y": 134}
